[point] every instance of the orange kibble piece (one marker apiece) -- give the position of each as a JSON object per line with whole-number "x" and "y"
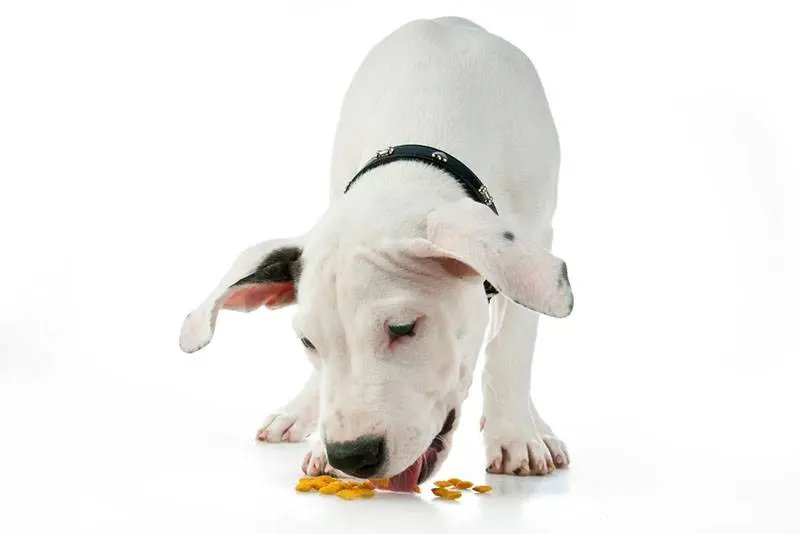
{"x": 454, "y": 481}
{"x": 303, "y": 486}
{"x": 463, "y": 484}
{"x": 348, "y": 494}
{"x": 443, "y": 483}
{"x": 332, "y": 488}
{"x": 417, "y": 489}
{"x": 482, "y": 489}
{"x": 366, "y": 493}
{"x": 445, "y": 493}
{"x": 318, "y": 484}
{"x": 368, "y": 485}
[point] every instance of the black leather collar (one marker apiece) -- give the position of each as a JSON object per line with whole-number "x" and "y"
{"x": 442, "y": 160}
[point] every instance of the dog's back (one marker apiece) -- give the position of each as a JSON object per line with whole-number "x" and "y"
{"x": 451, "y": 84}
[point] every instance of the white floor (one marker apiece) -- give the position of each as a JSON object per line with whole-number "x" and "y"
{"x": 145, "y": 144}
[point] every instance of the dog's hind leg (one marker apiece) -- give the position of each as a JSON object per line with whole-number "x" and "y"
{"x": 517, "y": 439}
{"x": 296, "y": 420}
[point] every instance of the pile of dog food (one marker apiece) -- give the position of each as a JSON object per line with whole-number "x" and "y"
{"x": 350, "y": 490}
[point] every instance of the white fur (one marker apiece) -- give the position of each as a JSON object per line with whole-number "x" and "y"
{"x": 405, "y": 244}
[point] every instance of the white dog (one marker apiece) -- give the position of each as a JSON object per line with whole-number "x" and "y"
{"x": 389, "y": 284}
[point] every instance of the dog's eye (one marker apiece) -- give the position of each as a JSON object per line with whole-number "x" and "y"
{"x": 401, "y": 330}
{"x": 307, "y": 344}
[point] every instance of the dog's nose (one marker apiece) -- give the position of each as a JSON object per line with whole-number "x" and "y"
{"x": 361, "y": 458}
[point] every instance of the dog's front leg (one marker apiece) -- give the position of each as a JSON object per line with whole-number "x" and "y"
{"x": 296, "y": 420}
{"x": 517, "y": 440}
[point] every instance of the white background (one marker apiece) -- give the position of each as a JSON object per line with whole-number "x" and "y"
{"x": 144, "y": 144}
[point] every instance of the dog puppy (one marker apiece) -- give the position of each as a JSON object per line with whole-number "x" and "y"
{"x": 389, "y": 283}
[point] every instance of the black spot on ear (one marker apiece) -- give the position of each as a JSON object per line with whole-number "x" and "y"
{"x": 281, "y": 265}
{"x": 564, "y": 277}
{"x": 508, "y": 235}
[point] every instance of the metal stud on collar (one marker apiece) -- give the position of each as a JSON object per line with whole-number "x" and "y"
{"x": 441, "y": 156}
{"x": 385, "y": 152}
{"x": 487, "y": 198}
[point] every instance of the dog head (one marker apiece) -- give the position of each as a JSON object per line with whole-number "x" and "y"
{"x": 392, "y": 325}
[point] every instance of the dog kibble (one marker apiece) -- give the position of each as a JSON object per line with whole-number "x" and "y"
{"x": 332, "y": 489}
{"x": 303, "y": 486}
{"x": 349, "y": 494}
{"x": 444, "y": 493}
{"x": 351, "y": 490}
{"x": 345, "y": 489}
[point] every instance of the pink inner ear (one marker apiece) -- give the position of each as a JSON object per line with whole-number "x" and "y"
{"x": 457, "y": 268}
{"x": 249, "y": 298}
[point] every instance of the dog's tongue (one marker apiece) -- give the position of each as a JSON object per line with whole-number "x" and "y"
{"x": 407, "y": 480}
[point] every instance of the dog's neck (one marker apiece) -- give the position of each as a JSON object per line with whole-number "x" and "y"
{"x": 390, "y": 201}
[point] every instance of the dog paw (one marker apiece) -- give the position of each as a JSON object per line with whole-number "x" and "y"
{"x": 287, "y": 425}
{"x": 514, "y": 446}
{"x": 315, "y": 462}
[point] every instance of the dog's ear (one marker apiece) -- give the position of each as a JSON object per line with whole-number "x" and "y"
{"x": 473, "y": 241}
{"x": 264, "y": 274}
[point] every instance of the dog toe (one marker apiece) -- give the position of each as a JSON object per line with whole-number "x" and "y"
{"x": 289, "y": 427}
{"x": 558, "y": 450}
